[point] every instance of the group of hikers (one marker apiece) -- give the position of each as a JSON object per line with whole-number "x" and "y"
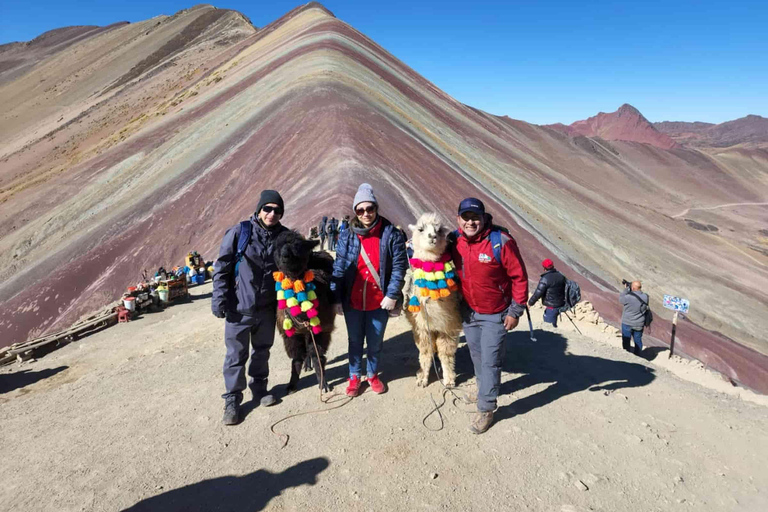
{"x": 368, "y": 277}
{"x": 329, "y": 231}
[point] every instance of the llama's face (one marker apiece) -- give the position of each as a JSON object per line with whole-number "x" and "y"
{"x": 292, "y": 253}
{"x": 429, "y": 234}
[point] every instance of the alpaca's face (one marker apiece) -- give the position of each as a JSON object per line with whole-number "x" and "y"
{"x": 429, "y": 234}
{"x": 292, "y": 253}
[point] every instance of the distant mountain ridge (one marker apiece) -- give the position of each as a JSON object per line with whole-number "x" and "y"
{"x": 626, "y": 124}
{"x": 751, "y": 130}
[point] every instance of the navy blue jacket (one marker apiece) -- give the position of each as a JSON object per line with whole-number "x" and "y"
{"x": 393, "y": 262}
{"x": 254, "y": 287}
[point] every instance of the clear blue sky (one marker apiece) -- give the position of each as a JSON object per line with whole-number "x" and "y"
{"x": 539, "y": 61}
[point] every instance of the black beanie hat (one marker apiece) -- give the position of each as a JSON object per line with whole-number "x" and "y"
{"x": 270, "y": 196}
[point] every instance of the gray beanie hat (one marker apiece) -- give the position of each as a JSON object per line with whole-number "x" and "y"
{"x": 364, "y": 195}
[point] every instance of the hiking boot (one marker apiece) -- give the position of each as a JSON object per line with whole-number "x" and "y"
{"x": 377, "y": 386}
{"x": 262, "y": 396}
{"x": 482, "y": 422}
{"x": 231, "y": 411}
{"x": 353, "y": 389}
{"x": 638, "y": 350}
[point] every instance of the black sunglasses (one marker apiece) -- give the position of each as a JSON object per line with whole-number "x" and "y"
{"x": 367, "y": 209}
{"x": 467, "y": 216}
{"x": 270, "y": 209}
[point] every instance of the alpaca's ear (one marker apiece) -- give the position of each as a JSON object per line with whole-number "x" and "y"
{"x": 412, "y": 227}
{"x": 310, "y": 244}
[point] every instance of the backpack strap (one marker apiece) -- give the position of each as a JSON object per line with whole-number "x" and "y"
{"x": 497, "y": 241}
{"x": 242, "y": 243}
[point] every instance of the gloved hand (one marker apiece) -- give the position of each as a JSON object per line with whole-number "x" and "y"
{"x": 339, "y": 309}
{"x": 219, "y": 314}
{"x": 388, "y": 304}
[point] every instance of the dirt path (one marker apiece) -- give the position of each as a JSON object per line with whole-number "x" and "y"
{"x": 130, "y": 419}
{"x": 685, "y": 212}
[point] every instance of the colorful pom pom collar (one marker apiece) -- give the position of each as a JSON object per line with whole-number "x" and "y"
{"x": 297, "y": 296}
{"x": 433, "y": 279}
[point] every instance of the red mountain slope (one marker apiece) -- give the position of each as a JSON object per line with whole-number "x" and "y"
{"x": 626, "y": 124}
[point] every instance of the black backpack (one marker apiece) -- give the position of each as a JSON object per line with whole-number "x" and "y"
{"x": 572, "y": 295}
{"x": 648, "y": 313}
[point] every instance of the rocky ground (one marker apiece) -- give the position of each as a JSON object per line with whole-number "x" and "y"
{"x": 130, "y": 419}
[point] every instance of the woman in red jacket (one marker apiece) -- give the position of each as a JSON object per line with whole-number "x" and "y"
{"x": 495, "y": 293}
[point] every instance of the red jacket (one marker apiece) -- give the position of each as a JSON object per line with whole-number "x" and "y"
{"x": 489, "y": 287}
{"x": 366, "y": 295}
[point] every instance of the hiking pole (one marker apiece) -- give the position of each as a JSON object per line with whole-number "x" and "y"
{"x": 530, "y": 324}
{"x": 574, "y": 323}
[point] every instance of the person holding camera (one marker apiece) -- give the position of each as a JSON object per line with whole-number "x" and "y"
{"x": 633, "y": 317}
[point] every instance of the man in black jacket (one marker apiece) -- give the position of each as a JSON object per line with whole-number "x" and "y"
{"x": 551, "y": 291}
{"x": 244, "y": 293}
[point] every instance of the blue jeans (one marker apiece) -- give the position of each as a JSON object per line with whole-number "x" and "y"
{"x": 628, "y": 332}
{"x": 550, "y": 316}
{"x": 368, "y": 326}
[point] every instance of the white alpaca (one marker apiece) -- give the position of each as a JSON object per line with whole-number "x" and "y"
{"x": 436, "y": 321}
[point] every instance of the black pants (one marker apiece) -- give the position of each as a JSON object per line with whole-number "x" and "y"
{"x": 242, "y": 332}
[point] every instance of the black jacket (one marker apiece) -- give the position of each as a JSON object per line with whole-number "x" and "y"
{"x": 551, "y": 290}
{"x": 254, "y": 287}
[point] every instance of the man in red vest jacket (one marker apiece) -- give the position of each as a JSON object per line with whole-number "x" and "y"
{"x": 495, "y": 293}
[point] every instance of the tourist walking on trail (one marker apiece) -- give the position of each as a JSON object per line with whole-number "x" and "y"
{"x": 551, "y": 291}
{"x": 633, "y": 317}
{"x": 330, "y": 231}
{"x": 244, "y": 293}
{"x": 321, "y": 232}
{"x": 494, "y": 283}
{"x": 368, "y": 276}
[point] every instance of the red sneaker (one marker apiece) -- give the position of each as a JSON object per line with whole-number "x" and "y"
{"x": 376, "y": 385}
{"x": 353, "y": 389}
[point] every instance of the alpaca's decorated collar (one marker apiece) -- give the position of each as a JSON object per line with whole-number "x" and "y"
{"x": 433, "y": 279}
{"x": 298, "y": 296}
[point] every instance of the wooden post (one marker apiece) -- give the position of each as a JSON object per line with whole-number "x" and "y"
{"x": 674, "y": 328}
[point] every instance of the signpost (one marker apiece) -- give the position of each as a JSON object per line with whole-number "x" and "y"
{"x": 678, "y": 305}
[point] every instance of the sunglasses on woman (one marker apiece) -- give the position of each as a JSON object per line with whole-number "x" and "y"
{"x": 270, "y": 209}
{"x": 367, "y": 209}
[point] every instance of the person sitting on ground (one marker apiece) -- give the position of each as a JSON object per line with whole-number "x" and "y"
{"x": 495, "y": 293}
{"x": 244, "y": 294}
{"x": 551, "y": 291}
{"x": 635, "y": 305}
{"x": 368, "y": 276}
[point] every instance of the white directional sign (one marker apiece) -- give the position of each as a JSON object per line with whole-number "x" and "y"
{"x": 676, "y": 303}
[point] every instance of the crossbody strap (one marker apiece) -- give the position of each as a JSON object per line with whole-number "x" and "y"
{"x": 647, "y": 307}
{"x": 368, "y": 263}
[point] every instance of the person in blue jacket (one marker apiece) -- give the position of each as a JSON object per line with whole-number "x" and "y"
{"x": 368, "y": 276}
{"x": 244, "y": 293}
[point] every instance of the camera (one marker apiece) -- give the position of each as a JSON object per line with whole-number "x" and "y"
{"x": 626, "y": 283}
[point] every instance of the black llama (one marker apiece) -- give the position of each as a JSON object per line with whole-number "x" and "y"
{"x": 297, "y": 262}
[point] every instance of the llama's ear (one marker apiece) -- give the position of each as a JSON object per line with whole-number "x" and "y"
{"x": 412, "y": 227}
{"x": 311, "y": 244}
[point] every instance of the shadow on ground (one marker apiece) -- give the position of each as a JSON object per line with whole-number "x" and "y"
{"x": 248, "y": 493}
{"x": 16, "y": 380}
{"x": 547, "y": 361}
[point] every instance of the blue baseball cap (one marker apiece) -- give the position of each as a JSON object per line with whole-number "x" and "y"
{"x": 472, "y": 204}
